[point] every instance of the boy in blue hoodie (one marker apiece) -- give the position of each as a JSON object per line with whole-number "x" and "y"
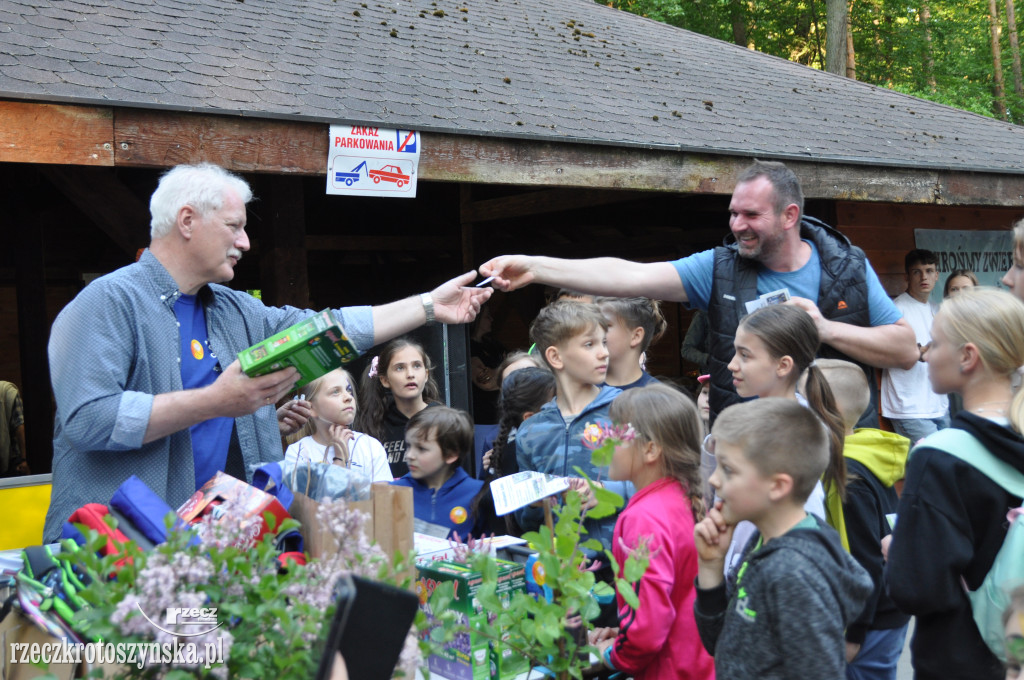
{"x": 437, "y": 439}
{"x": 571, "y": 338}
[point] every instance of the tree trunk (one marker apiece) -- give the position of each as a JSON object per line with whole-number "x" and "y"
{"x": 1011, "y": 21}
{"x": 851, "y": 61}
{"x": 835, "y": 36}
{"x": 929, "y": 58}
{"x": 739, "y": 23}
{"x": 999, "y": 105}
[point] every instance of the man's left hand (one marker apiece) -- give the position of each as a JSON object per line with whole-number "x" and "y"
{"x": 458, "y": 301}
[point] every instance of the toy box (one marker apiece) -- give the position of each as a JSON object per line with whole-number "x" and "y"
{"x": 314, "y": 346}
{"x": 224, "y": 495}
{"x": 471, "y": 656}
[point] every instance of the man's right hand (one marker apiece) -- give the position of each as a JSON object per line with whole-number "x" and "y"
{"x": 236, "y": 394}
{"x": 510, "y": 271}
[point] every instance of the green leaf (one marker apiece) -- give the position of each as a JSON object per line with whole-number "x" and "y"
{"x": 634, "y": 569}
{"x": 627, "y": 593}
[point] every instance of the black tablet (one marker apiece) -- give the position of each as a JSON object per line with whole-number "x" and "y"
{"x": 369, "y": 628}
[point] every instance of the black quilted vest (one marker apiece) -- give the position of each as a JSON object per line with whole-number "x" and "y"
{"x": 842, "y": 296}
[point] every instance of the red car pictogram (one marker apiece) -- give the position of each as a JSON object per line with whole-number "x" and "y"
{"x": 389, "y": 173}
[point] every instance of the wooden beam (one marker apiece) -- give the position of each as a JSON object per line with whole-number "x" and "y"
{"x": 542, "y": 202}
{"x": 361, "y": 243}
{"x": 148, "y": 138}
{"x": 48, "y": 133}
{"x": 163, "y": 139}
{"x": 105, "y": 200}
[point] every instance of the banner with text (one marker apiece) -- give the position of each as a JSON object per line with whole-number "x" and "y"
{"x": 370, "y": 161}
{"x": 986, "y": 253}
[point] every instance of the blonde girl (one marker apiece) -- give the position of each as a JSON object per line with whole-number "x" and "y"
{"x": 328, "y": 437}
{"x": 951, "y": 518}
{"x": 658, "y": 640}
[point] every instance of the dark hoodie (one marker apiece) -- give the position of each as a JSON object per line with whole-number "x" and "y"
{"x": 951, "y": 523}
{"x": 393, "y": 438}
{"x": 875, "y": 460}
{"x": 784, "y": 617}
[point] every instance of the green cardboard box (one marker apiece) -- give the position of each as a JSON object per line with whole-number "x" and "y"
{"x": 314, "y": 347}
{"x": 471, "y": 656}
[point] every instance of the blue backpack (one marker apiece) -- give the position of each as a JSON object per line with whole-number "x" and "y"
{"x": 992, "y": 598}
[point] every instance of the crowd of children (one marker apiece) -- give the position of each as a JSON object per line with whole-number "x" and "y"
{"x": 780, "y": 547}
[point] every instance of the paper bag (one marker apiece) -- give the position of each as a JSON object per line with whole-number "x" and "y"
{"x": 390, "y": 524}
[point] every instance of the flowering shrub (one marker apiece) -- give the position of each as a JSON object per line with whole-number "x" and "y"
{"x": 553, "y": 633}
{"x": 269, "y": 619}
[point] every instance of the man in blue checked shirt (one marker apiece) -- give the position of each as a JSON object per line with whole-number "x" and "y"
{"x": 142, "y": 360}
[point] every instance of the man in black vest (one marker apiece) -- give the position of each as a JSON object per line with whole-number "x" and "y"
{"x": 772, "y": 247}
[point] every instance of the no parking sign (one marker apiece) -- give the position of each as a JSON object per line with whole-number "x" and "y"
{"x": 371, "y": 161}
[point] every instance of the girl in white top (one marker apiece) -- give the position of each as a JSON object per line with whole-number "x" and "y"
{"x": 775, "y": 345}
{"x": 329, "y": 437}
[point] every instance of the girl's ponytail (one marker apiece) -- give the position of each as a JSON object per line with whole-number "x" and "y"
{"x": 821, "y": 400}
{"x": 373, "y": 402}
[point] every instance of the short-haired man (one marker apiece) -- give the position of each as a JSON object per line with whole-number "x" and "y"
{"x": 143, "y": 363}
{"x": 908, "y": 401}
{"x": 774, "y": 247}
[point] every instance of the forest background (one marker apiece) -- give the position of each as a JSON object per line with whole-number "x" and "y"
{"x": 962, "y": 53}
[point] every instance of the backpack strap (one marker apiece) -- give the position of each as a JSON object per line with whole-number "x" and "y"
{"x": 965, "y": 446}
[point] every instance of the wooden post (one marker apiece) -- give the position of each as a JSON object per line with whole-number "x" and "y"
{"x": 282, "y": 234}
{"x": 25, "y": 234}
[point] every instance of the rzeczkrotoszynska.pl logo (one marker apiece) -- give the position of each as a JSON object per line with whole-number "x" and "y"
{"x": 204, "y": 618}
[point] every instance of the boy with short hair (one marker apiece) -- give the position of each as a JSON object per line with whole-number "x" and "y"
{"x": 570, "y": 337}
{"x": 784, "y": 608}
{"x": 875, "y": 461}
{"x": 634, "y": 323}
{"x": 437, "y": 439}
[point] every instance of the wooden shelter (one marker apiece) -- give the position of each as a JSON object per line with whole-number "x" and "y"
{"x": 563, "y": 128}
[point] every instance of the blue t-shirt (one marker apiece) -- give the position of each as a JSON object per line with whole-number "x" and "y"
{"x": 210, "y": 438}
{"x": 696, "y": 272}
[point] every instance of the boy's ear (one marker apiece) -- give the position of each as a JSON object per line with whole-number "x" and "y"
{"x": 451, "y": 458}
{"x": 553, "y": 356}
{"x": 781, "y": 486}
{"x": 636, "y": 337}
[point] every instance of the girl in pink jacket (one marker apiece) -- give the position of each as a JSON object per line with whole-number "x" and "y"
{"x": 658, "y": 640}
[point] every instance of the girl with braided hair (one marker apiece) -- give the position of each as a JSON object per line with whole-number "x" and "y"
{"x": 659, "y": 639}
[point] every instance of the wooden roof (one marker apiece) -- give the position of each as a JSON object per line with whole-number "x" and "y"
{"x": 566, "y": 71}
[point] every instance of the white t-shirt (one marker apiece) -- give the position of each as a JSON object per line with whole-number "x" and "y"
{"x": 367, "y": 453}
{"x": 908, "y": 394}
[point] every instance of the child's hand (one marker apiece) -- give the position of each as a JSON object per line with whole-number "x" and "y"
{"x": 711, "y": 538}
{"x": 886, "y": 541}
{"x": 293, "y": 415}
{"x": 582, "y": 487}
{"x": 341, "y": 436}
{"x": 486, "y": 462}
{"x": 601, "y": 634}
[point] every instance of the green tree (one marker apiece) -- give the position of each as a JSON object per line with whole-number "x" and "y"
{"x": 940, "y": 50}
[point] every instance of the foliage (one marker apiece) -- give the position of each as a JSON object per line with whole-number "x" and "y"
{"x": 900, "y": 46}
{"x": 553, "y": 633}
{"x": 269, "y": 617}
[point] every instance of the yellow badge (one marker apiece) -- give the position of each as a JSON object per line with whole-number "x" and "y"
{"x": 458, "y": 514}
{"x": 539, "y": 574}
{"x": 197, "y": 350}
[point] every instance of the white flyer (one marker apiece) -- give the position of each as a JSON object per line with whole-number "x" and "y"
{"x": 518, "y": 490}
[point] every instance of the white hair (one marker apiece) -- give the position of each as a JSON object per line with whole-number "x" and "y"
{"x": 201, "y": 186}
